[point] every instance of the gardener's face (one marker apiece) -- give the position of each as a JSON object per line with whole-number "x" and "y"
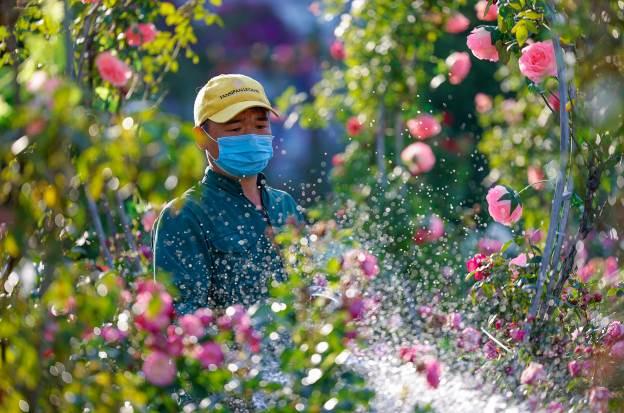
{"x": 252, "y": 120}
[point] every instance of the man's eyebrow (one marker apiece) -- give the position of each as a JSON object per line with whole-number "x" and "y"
{"x": 229, "y": 122}
{"x": 262, "y": 117}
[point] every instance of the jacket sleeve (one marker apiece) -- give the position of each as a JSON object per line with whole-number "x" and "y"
{"x": 181, "y": 250}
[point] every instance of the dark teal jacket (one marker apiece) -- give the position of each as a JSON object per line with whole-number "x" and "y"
{"x": 213, "y": 242}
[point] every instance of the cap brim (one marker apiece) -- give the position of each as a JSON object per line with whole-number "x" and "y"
{"x": 233, "y": 110}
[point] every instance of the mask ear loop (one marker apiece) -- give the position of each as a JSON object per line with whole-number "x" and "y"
{"x": 212, "y": 157}
{"x": 207, "y": 151}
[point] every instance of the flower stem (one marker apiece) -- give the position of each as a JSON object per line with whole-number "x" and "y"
{"x": 530, "y": 185}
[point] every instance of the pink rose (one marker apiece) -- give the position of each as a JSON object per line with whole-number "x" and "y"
{"x": 555, "y": 407}
{"x": 192, "y": 325}
{"x": 224, "y": 322}
{"x": 490, "y": 350}
{"x": 421, "y": 236}
{"x": 611, "y": 273}
{"x": 599, "y": 399}
{"x": 112, "y": 334}
{"x": 492, "y": 12}
{"x": 436, "y": 227}
{"x": 554, "y": 101}
{"x": 457, "y": 23}
{"x": 533, "y": 373}
{"x": 424, "y": 126}
{"x": 146, "y": 251}
{"x": 141, "y": 33}
{"x": 210, "y": 354}
{"x": 459, "y": 66}
{"x": 148, "y": 285}
{"x": 154, "y": 310}
{"x": 535, "y": 174}
{"x": 337, "y": 50}
{"x": 320, "y": 280}
{"x": 469, "y": 339}
{"x": 112, "y": 69}
{"x": 575, "y": 368}
{"x": 500, "y": 200}
{"x": 425, "y": 311}
{"x": 240, "y": 319}
{"x": 479, "y": 264}
{"x": 454, "y": 320}
{"x": 51, "y": 328}
{"x": 479, "y": 42}
{"x": 512, "y": 111}
{"x": 418, "y": 157}
{"x": 587, "y": 271}
{"x": 253, "y": 340}
{"x": 205, "y": 315}
{"x": 41, "y": 82}
{"x": 433, "y": 371}
{"x": 356, "y": 308}
{"x": 483, "y": 102}
{"x": 517, "y": 334}
{"x": 433, "y": 231}
{"x": 538, "y": 61}
{"x": 148, "y": 219}
{"x": 362, "y": 259}
{"x": 520, "y": 260}
{"x": 159, "y": 369}
{"x": 369, "y": 265}
{"x": 408, "y": 353}
{"x": 175, "y": 343}
{"x": 489, "y": 246}
{"x": 617, "y": 350}
{"x": 35, "y": 127}
{"x": 615, "y": 331}
{"x": 534, "y": 236}
{"x": 354, "y": 127}
{"x": 338, "y": 160}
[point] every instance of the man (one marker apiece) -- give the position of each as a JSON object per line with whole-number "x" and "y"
{"x": 216, "y": 239}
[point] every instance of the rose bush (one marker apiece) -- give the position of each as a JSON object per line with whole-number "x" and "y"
{"x": 86, "y": 164}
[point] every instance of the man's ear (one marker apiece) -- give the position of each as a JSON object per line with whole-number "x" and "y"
{"x": 201, "y": 140}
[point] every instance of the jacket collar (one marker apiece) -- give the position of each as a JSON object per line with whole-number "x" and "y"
{"x": 216, "y": 180}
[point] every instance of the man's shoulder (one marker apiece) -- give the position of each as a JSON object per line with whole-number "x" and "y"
{"x": 286, "y": 203}
{"x": 182, "y": 206}
{"x": 279, "y": 195}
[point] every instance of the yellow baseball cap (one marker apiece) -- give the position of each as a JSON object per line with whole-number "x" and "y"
{"x": 226, "y": 95}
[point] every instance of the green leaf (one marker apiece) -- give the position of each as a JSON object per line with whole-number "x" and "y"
{"x": 333, "y": 266}
{"x": 103, "y": 92}
{"x": 521, "y": 32}
{"x": 513, "y": 197}
{"x": 488, "y": 290}
{"x": 166, "y": 8}
{"x": 577, "y": 201}
{"x": 506, "y": 245}
{"x": 535, "y": 88}
{"x": 531, "y": 14}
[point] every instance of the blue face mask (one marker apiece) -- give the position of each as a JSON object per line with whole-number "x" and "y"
{"x": 243, "y": 155}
